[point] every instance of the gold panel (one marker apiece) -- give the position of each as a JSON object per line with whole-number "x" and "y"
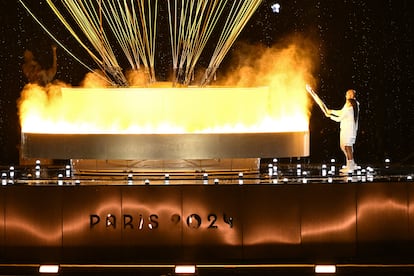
{"x": 212, "y": 223}
{"x": 383, "y": 220}
{"x": 271, "y": 221}
{"x": 2, "y": 221}
{"x": 92, "y": 223}
{"x": 33, "y": 229}
{"x": 165, "y": 146}
{"x": 328, "y": 220}
{"x": 152, "y": 219}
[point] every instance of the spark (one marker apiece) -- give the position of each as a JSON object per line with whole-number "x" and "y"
{"x": 275, "y": 7}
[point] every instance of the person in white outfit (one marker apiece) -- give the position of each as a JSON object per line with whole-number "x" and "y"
{"x": 348, "y": 119}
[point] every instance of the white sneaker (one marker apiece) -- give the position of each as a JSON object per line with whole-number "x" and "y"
{"x": 353, "y": 165}
{"x": 356, "y": 166}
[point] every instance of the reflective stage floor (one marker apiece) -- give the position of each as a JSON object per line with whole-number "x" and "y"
{"x": 267, "y": 171}
{"x": 289, "y": 214}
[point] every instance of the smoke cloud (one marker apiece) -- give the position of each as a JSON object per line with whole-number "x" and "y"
{"x": 285, "y": 68}
{"x": 278, "y": 66}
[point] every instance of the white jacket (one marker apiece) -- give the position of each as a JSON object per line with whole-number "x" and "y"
{"x": 345, "y": 117}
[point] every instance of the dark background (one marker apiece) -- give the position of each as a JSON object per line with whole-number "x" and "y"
{"x": 364, "y": 45}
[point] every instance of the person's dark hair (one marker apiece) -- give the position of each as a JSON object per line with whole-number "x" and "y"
{"x": 355, "y": 107}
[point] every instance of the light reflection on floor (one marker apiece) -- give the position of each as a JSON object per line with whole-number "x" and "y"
{"x": 277, "y": 173}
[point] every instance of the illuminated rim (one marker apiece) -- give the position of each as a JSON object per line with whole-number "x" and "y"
{"x": 165, "y": 146}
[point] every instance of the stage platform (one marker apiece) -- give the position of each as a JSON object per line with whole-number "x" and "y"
{"x": 286, "y": 217}
{"x": 108, "y": 228}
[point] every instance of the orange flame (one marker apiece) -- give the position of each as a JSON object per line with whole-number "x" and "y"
{"x": 156, "y": 110}
{"x": 241, "y": 105}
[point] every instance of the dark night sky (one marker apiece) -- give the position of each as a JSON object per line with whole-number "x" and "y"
{"x": 365, "y": 45}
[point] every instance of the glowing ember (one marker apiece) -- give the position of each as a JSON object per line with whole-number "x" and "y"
{"x": 162, "y": 110}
